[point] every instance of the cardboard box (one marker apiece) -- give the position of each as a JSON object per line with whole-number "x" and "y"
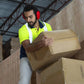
{"x": 14, "y": 45}
{"x": 65, "y": 71}
{"x": 65, "y": 43}
{"x": 9, "y": 69}
{"x": 80, "y": 54}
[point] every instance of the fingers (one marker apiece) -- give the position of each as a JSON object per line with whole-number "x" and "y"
{"x": 47, "y": 41}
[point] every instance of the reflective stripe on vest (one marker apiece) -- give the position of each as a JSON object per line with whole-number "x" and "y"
{"x": 30, "y": 32}
{"x": 45, "y": 28}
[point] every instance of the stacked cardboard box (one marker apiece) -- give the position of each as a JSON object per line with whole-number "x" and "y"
{"x": 9, "y": 69}
{"x": 65, "y": 44}
{"x": 65, "y": 71}
{"x": 14, "y": 45}
{"x": 80, "y": 54}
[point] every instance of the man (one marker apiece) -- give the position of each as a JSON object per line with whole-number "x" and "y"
{"x": 28, "y": 33}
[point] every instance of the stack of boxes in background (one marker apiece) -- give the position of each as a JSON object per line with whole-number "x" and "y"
{"x": 46, "y": 60}
{"x": 14, "y": 45}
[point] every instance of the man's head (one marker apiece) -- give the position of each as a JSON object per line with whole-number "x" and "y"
{"x": 31, "y": 14}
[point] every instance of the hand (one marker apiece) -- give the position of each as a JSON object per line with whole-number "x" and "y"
{"x": 46, "y": 41}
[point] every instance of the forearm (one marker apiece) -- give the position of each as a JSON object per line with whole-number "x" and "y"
{"x": 37, "y": 45}
{"x": 34, "y": 46}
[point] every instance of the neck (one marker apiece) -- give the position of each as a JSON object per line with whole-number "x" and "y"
{"x": 37, "y": 25}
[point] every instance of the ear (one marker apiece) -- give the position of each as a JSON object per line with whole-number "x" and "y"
{"x": 23, "y": 16}
{"x": 38, "y": 15}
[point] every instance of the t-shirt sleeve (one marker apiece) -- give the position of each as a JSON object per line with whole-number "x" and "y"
{"x": 49, "y": 27}
{"x": 23, "y": 35}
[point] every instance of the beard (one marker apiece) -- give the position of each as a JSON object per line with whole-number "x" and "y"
{"x": 31, "y": 24}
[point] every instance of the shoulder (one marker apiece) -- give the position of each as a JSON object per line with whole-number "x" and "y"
{"x": 23, "y": 34}
{"x": 23, "y": 31}
{"x": 22, "y": 28}
{"x": 48, "y": 26}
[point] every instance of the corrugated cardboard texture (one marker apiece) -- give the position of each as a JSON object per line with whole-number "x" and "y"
{"x": 9, "y": 69}
{"x": 65, "y": 71}
{"x": 80, "y": 54}
{"x": 65, "y": 43}
{"x": 14, "y": 44}
{"x": 70, "y": 17}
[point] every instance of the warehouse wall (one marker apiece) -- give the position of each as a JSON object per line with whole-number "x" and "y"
{"x": 71, "y": 17}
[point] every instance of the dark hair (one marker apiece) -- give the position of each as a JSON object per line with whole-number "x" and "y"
{"x": 30, "y": 7}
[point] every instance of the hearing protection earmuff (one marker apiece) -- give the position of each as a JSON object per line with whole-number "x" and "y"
{"x": 37, "y": 15}
{"x": 23, "y": 16}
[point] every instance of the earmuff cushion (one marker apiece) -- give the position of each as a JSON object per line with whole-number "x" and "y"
{"x": 38, "y": 15}
{"x": 23, "y": 16}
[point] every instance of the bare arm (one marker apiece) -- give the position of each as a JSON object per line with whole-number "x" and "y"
{"x": 36, "y": 46}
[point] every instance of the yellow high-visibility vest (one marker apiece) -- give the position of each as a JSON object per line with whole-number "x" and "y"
{"x": 27, "y": 33}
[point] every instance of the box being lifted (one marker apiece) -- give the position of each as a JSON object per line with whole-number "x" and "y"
{"x": 65, "y": 44}
{"x": 64, "y": 71}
